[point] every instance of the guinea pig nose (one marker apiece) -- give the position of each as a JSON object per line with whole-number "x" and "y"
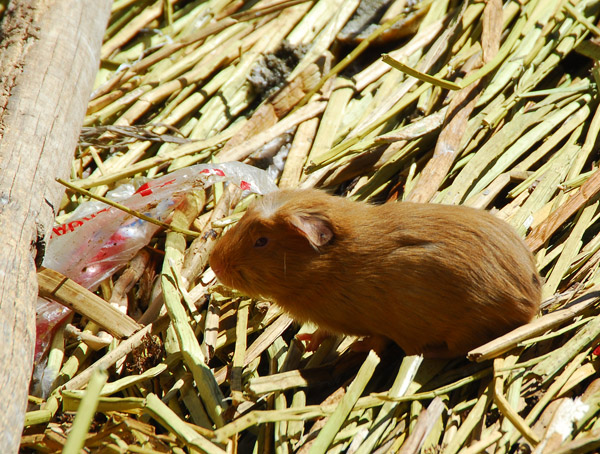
{"x": 217, "y": 269}
{"x": 217, "y": 265}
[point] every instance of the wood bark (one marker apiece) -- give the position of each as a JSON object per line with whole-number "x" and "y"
{"x": 49, "y": 51}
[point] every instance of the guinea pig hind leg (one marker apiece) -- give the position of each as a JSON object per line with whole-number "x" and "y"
{"x": 439, "y": 351}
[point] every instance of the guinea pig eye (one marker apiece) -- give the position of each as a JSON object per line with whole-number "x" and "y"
{"x": 262, "y": 241}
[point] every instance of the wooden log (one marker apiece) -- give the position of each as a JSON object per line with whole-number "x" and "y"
{"x": 49, "y": 53}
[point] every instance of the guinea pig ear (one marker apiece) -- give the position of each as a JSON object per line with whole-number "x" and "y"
{"x": 316, "y": 230}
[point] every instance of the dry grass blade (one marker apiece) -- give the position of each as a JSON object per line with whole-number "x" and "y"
{"x": 188, "y": 343}
{"x": 111, "y": 358}
{"x": 83, "y": 419}
{"x": 423, "y": 427}
{"x": 419, "y": 75}
{"x": 333, "y": 425}
{"x": 543, "y": 231}
{"x": 169, "y": 419}
{"x": 542, "y": 324}
{"x": 507, "y": 410}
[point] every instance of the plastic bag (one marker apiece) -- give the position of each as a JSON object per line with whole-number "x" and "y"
{"x": 98, "y": 239}
{"x": 91, "y": 248}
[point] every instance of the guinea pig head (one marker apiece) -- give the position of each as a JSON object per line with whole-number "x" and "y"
{"x": 261, "y": 255}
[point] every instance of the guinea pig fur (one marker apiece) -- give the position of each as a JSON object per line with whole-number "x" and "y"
{"x": 436, "y": 279}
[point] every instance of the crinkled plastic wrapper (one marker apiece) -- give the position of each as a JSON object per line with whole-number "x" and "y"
{"x": 99, "y": 240}
{"x": 91, "y": 248}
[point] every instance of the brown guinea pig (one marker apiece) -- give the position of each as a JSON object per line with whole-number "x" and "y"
{"x": 436, "y": 279}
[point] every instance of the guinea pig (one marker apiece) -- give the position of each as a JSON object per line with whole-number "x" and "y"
{"x": 438, "y": 280}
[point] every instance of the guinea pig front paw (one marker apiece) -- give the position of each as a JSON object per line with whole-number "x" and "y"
{"x": 313, "y": 340}
{"x": 376, "y": 343}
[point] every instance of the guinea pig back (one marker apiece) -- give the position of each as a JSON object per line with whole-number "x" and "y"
{"x": 436, "y": 279}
